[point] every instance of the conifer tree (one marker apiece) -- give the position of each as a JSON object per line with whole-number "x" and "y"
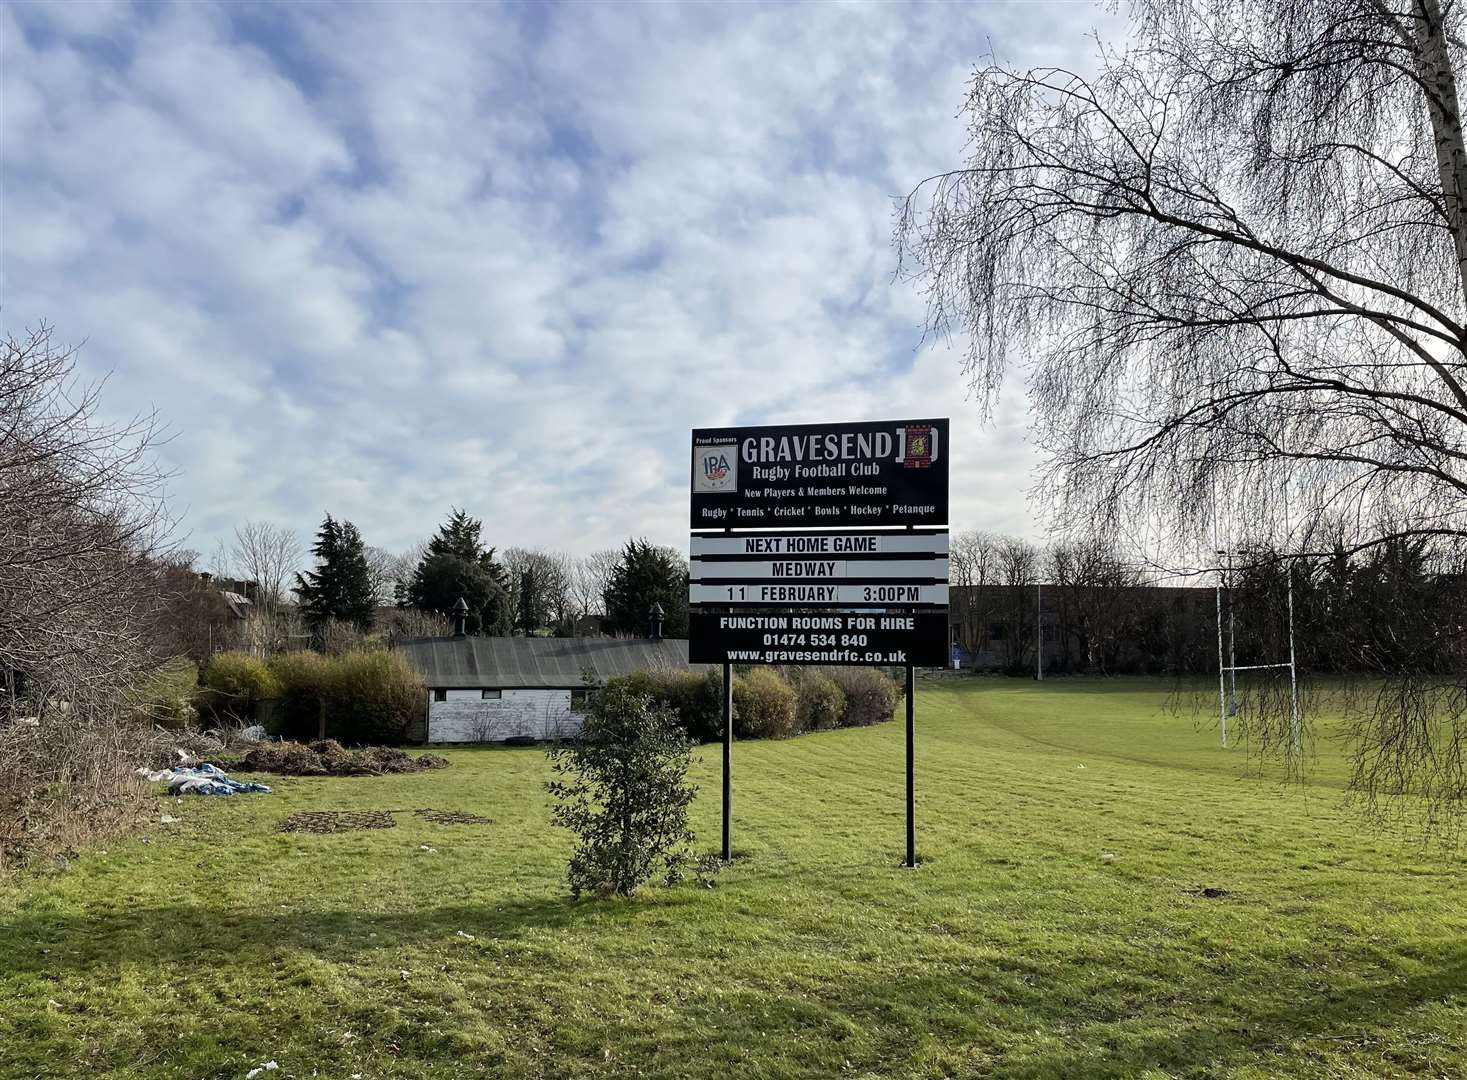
{"x": 530, "y": 614}
{"x": 647, "y": 575}
{"x": 340, "y": 587}
{"x": 456, "y": 564}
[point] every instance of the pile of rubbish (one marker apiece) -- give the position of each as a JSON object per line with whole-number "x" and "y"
{"x": 201, "y": 779}
{"x": 166, "y": 748}
{"x": 329, "y": 758}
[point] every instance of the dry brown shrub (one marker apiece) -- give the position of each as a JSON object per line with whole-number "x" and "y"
{"x": 329, "y": 758}
{"x": 83, "y": 575}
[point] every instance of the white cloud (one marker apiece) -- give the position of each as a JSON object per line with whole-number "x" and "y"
{"x": 380, "y": 260}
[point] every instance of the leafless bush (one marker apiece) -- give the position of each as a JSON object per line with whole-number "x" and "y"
{"x": 81, "y": 528}
{"x": 274, "y": 630}
{"x": 487, "y": 726}
{"x": 403, "y": 624}
{"x": 337, "y": 636}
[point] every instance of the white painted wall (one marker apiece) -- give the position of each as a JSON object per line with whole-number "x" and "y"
{"x": 468, "y": 717}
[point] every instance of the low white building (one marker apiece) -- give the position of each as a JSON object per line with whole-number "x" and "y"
{"x": 488, "y": 689}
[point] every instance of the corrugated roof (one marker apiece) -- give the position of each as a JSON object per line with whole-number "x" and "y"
{"x": 528, "y": 662}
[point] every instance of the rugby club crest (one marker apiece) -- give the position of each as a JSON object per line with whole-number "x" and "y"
{"x": 916, "y": 445}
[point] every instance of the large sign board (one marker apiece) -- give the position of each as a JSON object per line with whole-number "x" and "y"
{"x": 874, "y": 638}
{"x": 849, "y": 595}
{"x": 891, "y": 472}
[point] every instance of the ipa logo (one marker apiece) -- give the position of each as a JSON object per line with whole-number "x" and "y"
{"x": 715, "y": 468}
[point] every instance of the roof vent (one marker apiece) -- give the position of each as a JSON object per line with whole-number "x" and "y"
{"x": 460, "y": 618}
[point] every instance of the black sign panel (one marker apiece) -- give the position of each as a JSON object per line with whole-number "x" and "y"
{"x": 891, "y": 472}
{"x": 839, "y": 638}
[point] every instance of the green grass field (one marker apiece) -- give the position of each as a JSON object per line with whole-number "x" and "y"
{"x": 206, "y": 948}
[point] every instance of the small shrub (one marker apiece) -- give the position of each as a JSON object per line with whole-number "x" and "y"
{"x": 821, "y": 703}
{"x": 764, "y": 706}
{"x": 303, "y": 676}
{"x": 623, "y": 790}
{"x": 871, "y": 695}
{"x": 234, "y": 682}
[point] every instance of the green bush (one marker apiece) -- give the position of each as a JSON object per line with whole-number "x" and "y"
{"x": 233, "y": 683}
{"x": 871, "y": 695}
{"x": 764, "y": 706}
{"x": 365, "y": 696}
{"x": 821, "y": 702}
{"x": 622, "y": 789}
{"x": 696, "y": 700}
{"x": 373, "y": 697}
{"x": 167, "y": 696}
{"x": 303, "y": 677}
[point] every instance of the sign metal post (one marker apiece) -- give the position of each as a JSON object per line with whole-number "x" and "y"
{"x": 911, "y": 778}
{"x": 727, "y": 755}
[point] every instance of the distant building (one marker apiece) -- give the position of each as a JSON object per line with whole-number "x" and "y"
{"x": 1140, "y": 629}
{"x": 488, "y": 689}
{"x": 239, "y": 596}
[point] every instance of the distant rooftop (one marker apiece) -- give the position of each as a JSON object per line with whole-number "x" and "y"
{"x": 537, "y": 663}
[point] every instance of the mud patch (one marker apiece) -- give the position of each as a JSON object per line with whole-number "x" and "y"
{"x": 452, "y": 817}
{"x": 335, "y": 821}
{"x": 1208, "y": 892}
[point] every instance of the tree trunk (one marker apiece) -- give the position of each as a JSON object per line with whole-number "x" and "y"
{"x": 1434, "y": 64}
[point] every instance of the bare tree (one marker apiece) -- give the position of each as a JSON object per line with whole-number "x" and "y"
{"x": 1095, "y": 596}
{"x": 403, "y": 567}
{"x": 1016, "y": 563}
{"x": 973, "y": 570}
{"x": 269, "y": 555}
{"x": 549, "y": 574}
{"x": 385, "y": 571}
{"x": 589, "y": 578}
{"x": 82, "y": 527}
{"x": 192, "y": 618}
{"x": 558, "y": 572}
{"x": 1237, "y": 256}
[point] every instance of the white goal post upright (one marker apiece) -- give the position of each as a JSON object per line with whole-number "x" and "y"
{"x": 1296, "y": 737}
{"x": 1038, "y": 631}
{"x": 1222, "y": 694}
{"x": 1227, "y": 673}
{"x": 1222, "y": 700}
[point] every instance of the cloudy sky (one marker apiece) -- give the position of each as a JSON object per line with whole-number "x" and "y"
{"x": 379, "y": 260}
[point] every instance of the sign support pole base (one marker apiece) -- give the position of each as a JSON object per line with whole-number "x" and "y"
{"x": 727, "y": 754}
{"x": 911, "y": 779}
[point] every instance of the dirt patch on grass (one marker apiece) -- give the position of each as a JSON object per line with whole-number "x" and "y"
{"x": 452, "y": 817}
{"x": 330, "y": 758}
{"x": 335, "y": 821}
{"x": 1208, "y": 892}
